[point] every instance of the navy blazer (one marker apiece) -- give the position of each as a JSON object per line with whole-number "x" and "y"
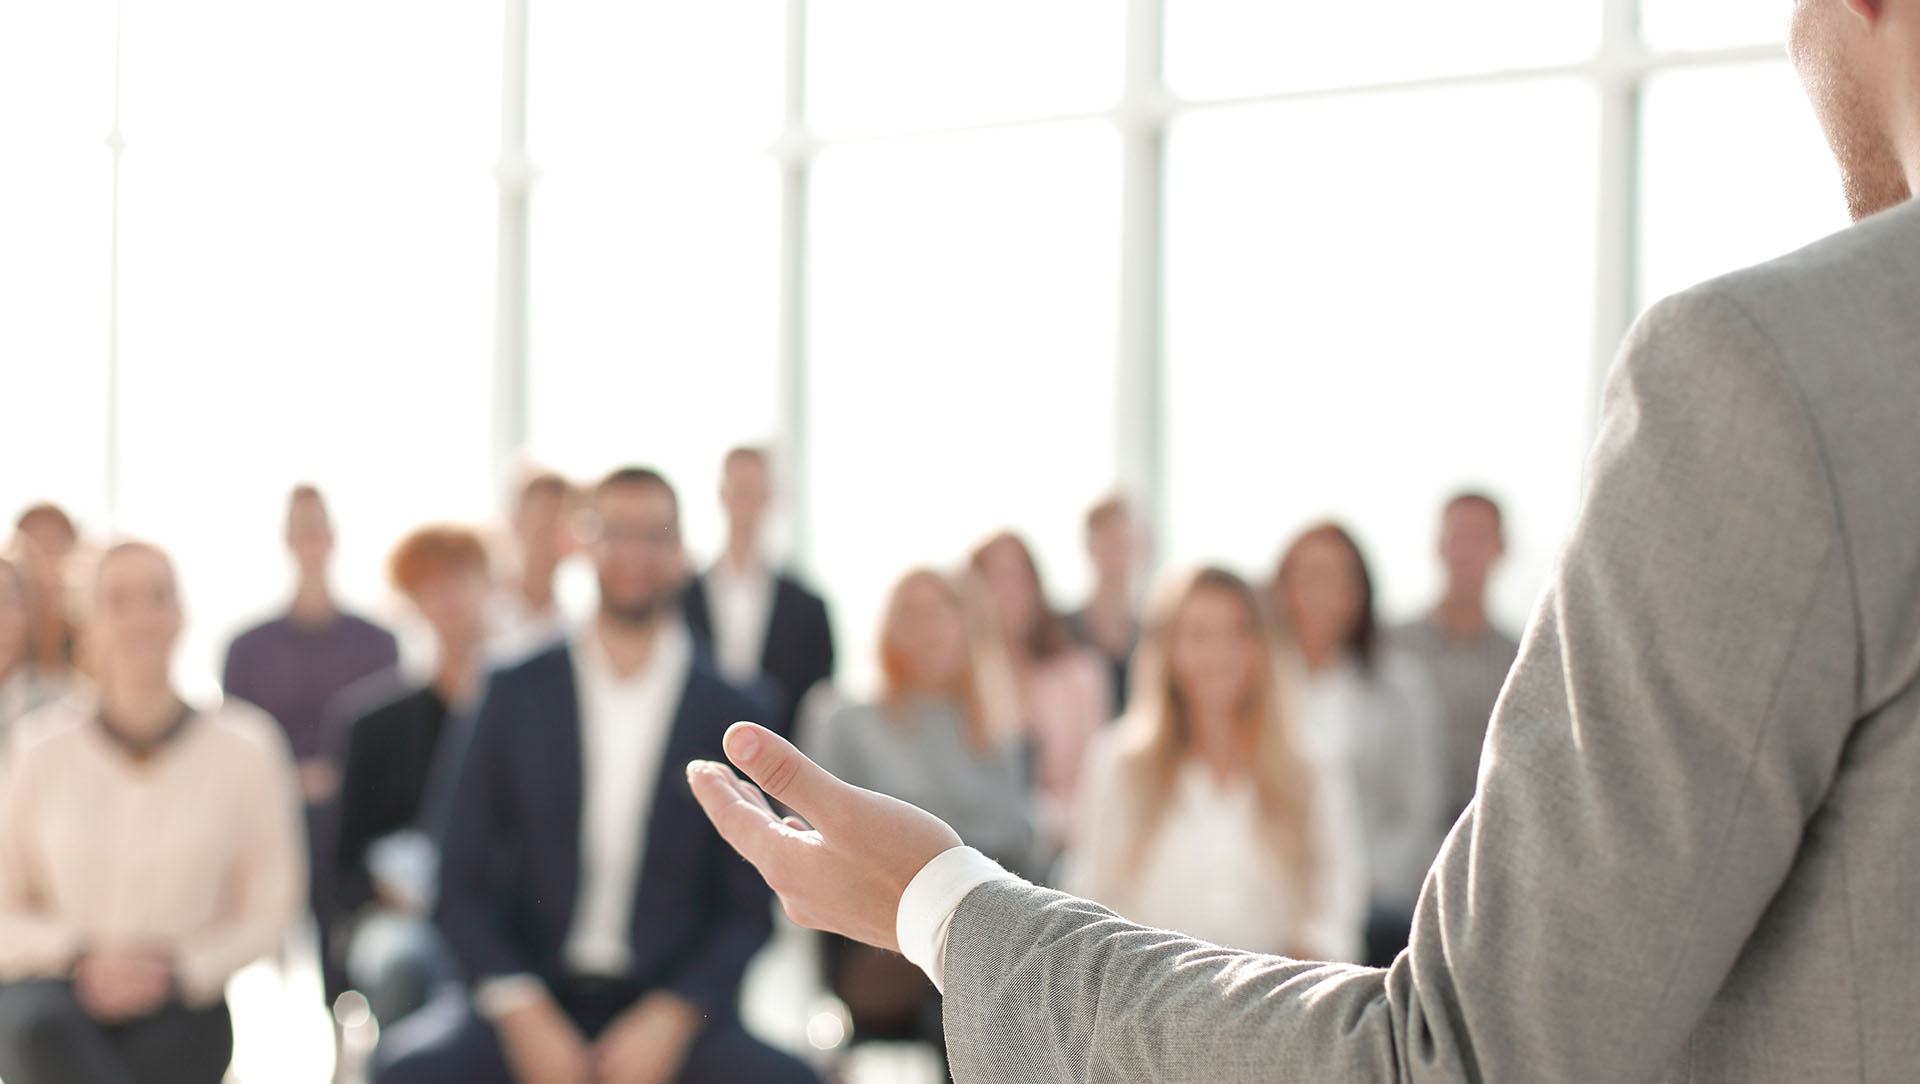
{"x": 510, "y": 855}
{"x": 799, "y": 651}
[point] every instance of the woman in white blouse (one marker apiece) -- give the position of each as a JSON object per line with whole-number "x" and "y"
{"x": 148, "y": 851}
{"x": 1201, "y": 811}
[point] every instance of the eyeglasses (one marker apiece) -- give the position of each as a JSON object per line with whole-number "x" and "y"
{"x": 657, "y": 537}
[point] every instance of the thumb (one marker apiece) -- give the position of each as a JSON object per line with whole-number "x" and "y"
{"x": 784, "y": 773}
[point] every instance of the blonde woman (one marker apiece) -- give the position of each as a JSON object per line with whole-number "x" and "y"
{"x": 1202, "y": 811}
{"x": 148, "y": 850}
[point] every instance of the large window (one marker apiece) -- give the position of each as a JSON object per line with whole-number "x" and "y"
{"x": 655, "y": 241}
{"x": 1373, "y": 301}
{"x": 305, "y": 273}
{"x": 961, "y": 353}
{"x": 972, "y": 265}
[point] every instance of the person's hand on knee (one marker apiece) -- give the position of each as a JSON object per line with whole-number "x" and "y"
{"x": 845, "y": 866}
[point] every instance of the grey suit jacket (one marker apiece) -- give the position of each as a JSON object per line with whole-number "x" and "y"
{"x": 1694, "y": 854}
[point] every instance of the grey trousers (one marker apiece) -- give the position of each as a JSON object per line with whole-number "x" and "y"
{"x": 46, "y": 1037}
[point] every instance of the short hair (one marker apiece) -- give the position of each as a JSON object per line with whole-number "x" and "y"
{"x": 1113, "y": 506}
{"x": 746, "y": 451}
{"x": 47, "y": 512}
{"x": 636, "y": 476}
{"x": 544, "y": 483}
{"x": 305, "y": 491}
{"x": 1479, "y": 497}
{"x": 431, "y": 552}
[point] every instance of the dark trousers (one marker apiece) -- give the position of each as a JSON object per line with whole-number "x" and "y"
{"x": 46, "y": 1037}
{"x": 448, "y": 1043}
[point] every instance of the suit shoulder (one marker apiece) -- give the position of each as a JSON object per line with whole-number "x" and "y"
{"x": 715, "y": 704}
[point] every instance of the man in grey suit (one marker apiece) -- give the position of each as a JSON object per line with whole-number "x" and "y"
{"x": 1694, "y": 854}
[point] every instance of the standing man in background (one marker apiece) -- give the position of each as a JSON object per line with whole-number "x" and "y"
{"x": 292, "y": 666}
{"x": 765, "y": 630}
{"x": 1110, "y": 622}
{"x": 1466, "y": 655}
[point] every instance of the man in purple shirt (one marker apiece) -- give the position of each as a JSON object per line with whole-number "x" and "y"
{"x": 294, "y": 665}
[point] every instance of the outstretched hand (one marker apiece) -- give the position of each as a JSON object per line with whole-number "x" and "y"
{"x": 843, "y": 868}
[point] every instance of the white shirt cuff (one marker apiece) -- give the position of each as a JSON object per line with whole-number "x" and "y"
{"x": 496, "y": 997}
{"x": 931, "y": 898}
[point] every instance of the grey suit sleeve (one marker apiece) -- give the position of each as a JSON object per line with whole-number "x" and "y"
{"x": 1676, "y": 717}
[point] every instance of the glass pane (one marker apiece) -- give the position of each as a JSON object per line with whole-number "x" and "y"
{"x": 1733, "y": 171}
{"x": 307, "y": 285}
{"x": 961, "y": 350}
{"x": 884, "y": 66}
{"x": 1713, "y": 24}
{"x": 1229, "y": 48}
{"x": 655, "y": 241}
{"x": 56, "y": 110}
{"x": 1350, "y": 340}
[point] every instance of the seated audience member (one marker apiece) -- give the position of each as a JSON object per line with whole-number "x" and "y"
{"x": 294, "y": 666}
{"x": 148, "y": 850}
{"x": 1108, "y": 623}
{"x": 1468, "y": 657}
{"x": 1202, "y": 811}
{"x": 22, "y": 686}
{"x": 765, "y": 630}
{"x": 396, "y": 752}
{"x": 944, "y": 735}
{"x": 527, "y": 618}
{"x": 1063, "y": 687}
{"x": 1372, "y": 708}
{"x": 602, "y": 922}
{"x": 44, "y": 544}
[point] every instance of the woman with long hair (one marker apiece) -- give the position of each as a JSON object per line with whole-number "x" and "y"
{"x": 1202, "y": 811}
{"x": 1062, "y": 686}
{"x": 944, "y": 734}
{"x": 1373, "y": 708}
{"x": 149, "y": 849}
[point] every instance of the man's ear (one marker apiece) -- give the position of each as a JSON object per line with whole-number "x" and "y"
{"x": 1869, "y": 11}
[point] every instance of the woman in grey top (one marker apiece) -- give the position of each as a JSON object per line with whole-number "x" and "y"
{"x": 945, "y": 735}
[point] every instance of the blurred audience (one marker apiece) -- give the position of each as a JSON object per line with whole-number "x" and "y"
{"x": 22, "y": 686}
{"x": 604, "y": 924}
{"x": 1468, "y": 657}
{"x": 766, "y": 631}
{"x": 945, "y": 735}
{"x": 293, "y": 666}
{"x": 400, "y": 750}
{"x": 1202, "y": 811}
{"x": 1062, "y": 686}
{"x": 527, "y": 618}
{"x": 1371, "y": 708}
{"x": 1109, "y": 622}
{"x": 148, "y": 850}
{"x": 44, "y": 543}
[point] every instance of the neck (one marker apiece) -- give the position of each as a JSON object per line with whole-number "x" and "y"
{"x": 312, "y": 602}
{"x": 456, "y": 679}
{"x": 536, "y": 585}
{"x": 627, "y": 646}
{"x": 1215, "y": 742}
{"x": 1318, "y": 654}
{"x": 1113, "y": 595}
{"x": 743, "y": 548}
{"x": 1463, "y": 612}
{"x": 140, "y": 706}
